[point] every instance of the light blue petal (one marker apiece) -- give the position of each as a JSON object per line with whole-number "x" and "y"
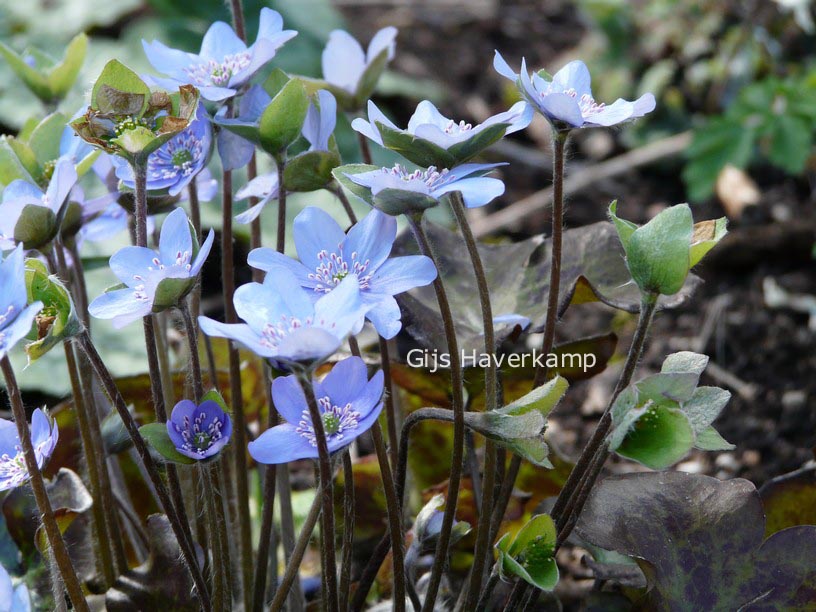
{"x": 426, "y": 113}
{"x": 120, "y": 306}
{"x": 438, "y": 136}
{"x": 503, "y": 68}
{"x": 279, "y": 296}
{"x": 6, "y": 590}
{"x": 12, "y": 280}
{"x": 63, "y": 179}
{"x": 518, "y": 116}
{"x": 342, "y": 308}
{"x": 343, "y": 61}
{"x": 611, "y": 114}
{"x": 175, "y": 237}
{"x": 288, "y": 397}
{"x": 253, "y": 104}
{"x": 400, "y": 274}
{"x": 252, "y": 213}
{"x": 22, "y": 599}
{"x": 281, "y": 444}
{"x": 574, "y": 75}
{"x": 21, "y": 326}
{"x": 644, "y": 104}
{"x": 307, "y": 344}
{"x": 167, "y": 60}
{"x": 183, "y": 409}
{"x": 202, "y": 254}
{"x": 512, "y": 319}
{"x": 241, "y": 333}
{"x": 130, "y": 262}
{"x": 346, "y": 380}
{"x": 315, "y": 231}
{"x": 475, "y": 191}
{"x": 371, "y": 395}
{"x": 267, "y": 259}
{"x": 320, "y": 123}
{"x": 371, "y": 239}
{"x": 383, "y": 39}
{"x": 219, "y": 42}
{"x": 19, "y": 189}
{"x": 385, "y": 315}
{"x": 216, "y": 94}
{"x": 561, "y": 107}
{"x": 263, "y": 186}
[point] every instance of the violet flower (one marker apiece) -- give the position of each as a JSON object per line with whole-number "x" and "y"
{"x": 349, "y": 404}
{"x": 16, "y": 314}
{"x": 199, "y": 431}
{"x": 566, "y": 99}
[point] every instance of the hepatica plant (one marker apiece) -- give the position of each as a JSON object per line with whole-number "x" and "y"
{"x": 171, "y": 487}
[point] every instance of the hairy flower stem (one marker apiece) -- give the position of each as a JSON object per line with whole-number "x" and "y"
{"x": 195, "y": 219}
{"x": 326, "y": 494}
{"x": 491, "y": 394}
{"x": 567, "y": 500}
{"x": 341, "y": 195}
{"x": 489, "y": 587}
{"x": 111, "y": 390}
{"x": 139, "y": 167}
{"x": 56, "y": 544}
{"x": 293, "y": 566}
{"x": 241, "y": 501}
{"x": 220, "y": 601}
{"x": 280, "y": 165}
{"x": 265, "y": 540}
{"x": 348, "y": 527}
{"x": 458, "y": 405}
{"x": 390, "y": 404}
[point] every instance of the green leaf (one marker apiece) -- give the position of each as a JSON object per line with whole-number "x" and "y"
{"x": 667, "y": 387}
{"x": 398, "y": 202}
{"x": 659, "y": 437}
{"x": 368, "y": 81}
{"x": 710, "y": 440}
{"x": 358, "y": 191}
{"x": 685, "y": 362}
{"x": 705, "y": 406}
{"x": 45, "y": 138}
{"x": 670, "y": 522}
{"x": 282, "y": 120}
{"x": 705, "y": 237}
{"x": 11, "y": 168}
{"x": 33, "y": 78}
{"x": 790, "y": 500}
{"x": 658, "y": 252}
{"x": 542, "y": 399}
{"x": 530, "y": 555}
{"x": 26, "y": 157}
{"x": 63, "y": 76}
{"x": 213, "y": 395}
{"x": 470, "y": 148}
{"x": 418, "y": 150}
{"x": 120, "y": 91}
{"x": 156, "y": 436}
{"x": 276, "y": 81}
{"x": 791, "y": 142}
{"x": 624, "y": 228}
{"x": 57, "y": 321}
{"x": 170, "y": 291}
{"x": 36, "y": 226}
{"x": 716, "y": 143}
{"x": 310, "y": 171}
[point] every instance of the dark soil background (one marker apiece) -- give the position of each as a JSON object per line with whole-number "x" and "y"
{"x": 764, "y": 356}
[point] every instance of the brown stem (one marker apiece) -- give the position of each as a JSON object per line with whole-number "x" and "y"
{"x": 348, "y": 527}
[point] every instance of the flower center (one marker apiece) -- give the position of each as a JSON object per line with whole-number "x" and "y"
{"x": 334, "y": 267}
{"x": 179, "y": 158}
{"x": 457, "y": 128}
{"x": 199, "y": 435}
{"x": 216, "y": 73}
{"x": 337, "y": 421}
{"x": 182, "y": 260}
{"x": 536, "y": 552}
{"x": 130, "y": 123}
{"x": 430, "y": 176}
{"x": 586, "y": 103}
{"x": 13, "y": 470}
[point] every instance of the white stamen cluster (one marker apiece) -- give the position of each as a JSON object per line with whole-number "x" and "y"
{"x": 336, "y": 421}
{"x": 216, "y": 73}
{"x": 334, "y": 268}
{"x": 430, "y": 176}
{"x": 177, "y": 159}
{"x": 586, "y": 103}
{"x": 273, "y": 333}
{"x": 457, "y": 128}
{"x": 200, "y": 435}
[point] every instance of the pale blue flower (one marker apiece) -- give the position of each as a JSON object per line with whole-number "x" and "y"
{"x": 44, "y": 436}
{"x": 566, "y": 99}
{"x": 234, "y": 150}
{"x": 345, "y": 62}
{"x": 328, "y": 255}
{"x": 264, "y": 187}
{"x": 349, "y": 404}
{"x": 321, "y": 119}
{"x": 153, "y": 280}
{"x": 476, "y": 190}
{"x": 224, "y": 63}
{"x": 16, "y": 315}
{"x": 283, "y": 324}
{"x": 11, "y": 599}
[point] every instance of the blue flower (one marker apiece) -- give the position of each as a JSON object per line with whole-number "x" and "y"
{"x": 16, "y": 315}
{"x": 19, "y": 194}
{"x": 265, "y": 187}
{"x": 283, "y": 324}
{"x": 199, "y": 431}
{"x": 432, "y": 183}
{"x": 234, "y": 150}
{"x": 44, "y": 435}
{"x": 320, "y": 121}
{"x": 328, "y": 255}
{"x": 154, "y": 280}
{"x": 345, "y": 62}
{"x": 11, "y": 599}
{"x": 349, "y": 404}
{"x": 567, "y": 99}
{"x": 224, "y": 63}
{"x": 461, "y": 140}
{"x": 176, "y": 163}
